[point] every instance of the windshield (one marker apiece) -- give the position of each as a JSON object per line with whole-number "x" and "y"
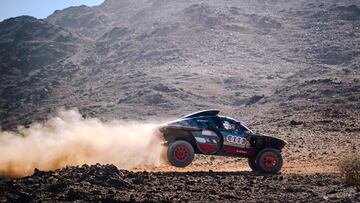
{"x": 248, "y": 129}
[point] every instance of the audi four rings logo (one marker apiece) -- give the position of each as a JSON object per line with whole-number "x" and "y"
{"x": 236, "y": 139}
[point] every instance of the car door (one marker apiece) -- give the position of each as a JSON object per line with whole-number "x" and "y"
{"x": 207, "y": 139}
{"x": 233, "y": 133}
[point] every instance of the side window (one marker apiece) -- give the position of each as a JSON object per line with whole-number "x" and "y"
{"x": 229, "y": 125}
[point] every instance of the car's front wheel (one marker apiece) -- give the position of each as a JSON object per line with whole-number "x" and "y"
{"x": 269, "y": 160}
{"x": 180, "y": 153}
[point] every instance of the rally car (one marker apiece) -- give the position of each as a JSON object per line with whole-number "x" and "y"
{"x": 206, "y": 132}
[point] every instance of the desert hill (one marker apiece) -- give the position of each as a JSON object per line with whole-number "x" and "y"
{"x": 160, "y": 56}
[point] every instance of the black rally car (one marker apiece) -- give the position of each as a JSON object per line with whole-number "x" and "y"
{"x": 206, "y": 132}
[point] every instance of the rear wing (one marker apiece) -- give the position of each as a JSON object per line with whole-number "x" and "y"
{"x": 210, "y": 112}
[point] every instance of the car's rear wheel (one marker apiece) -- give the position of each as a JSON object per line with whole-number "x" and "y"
{"x": 180, "y": 153}
{"x": 269, "y": 160}
{"x": 252, "y": 164}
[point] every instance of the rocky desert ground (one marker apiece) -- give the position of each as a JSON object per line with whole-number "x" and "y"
{"x": 286, "y": 68}
{"x": 105, "y": 183}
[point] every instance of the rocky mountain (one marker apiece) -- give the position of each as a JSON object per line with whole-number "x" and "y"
{"x": 34, "y": 56}
{"x": 150, "y": 59}
{"x": 327, "y": 92}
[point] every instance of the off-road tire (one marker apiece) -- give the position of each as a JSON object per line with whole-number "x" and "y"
{"x": 180, "y": 153}
{"x": 269, "y": 161}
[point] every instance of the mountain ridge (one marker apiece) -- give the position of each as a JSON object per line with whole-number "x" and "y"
{"x": 161, "y": 56}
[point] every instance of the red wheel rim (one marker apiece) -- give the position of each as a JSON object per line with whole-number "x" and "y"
{"x": 181, "y": 153}
{"x": 269, "y": 161}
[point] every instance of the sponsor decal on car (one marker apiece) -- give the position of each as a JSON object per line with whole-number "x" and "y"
{"x": 200, "y": 139}
{"x": 207, "y": 132}
{"x": 236, "y": 139}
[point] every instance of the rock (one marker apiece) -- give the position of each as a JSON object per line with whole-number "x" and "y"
{"x": 254, "y": 99}
{"x": 72, "y": 195}
{"x": 37, "y": 172}
{"x": 293, "y": 122}
{"x": 24, "y": 197}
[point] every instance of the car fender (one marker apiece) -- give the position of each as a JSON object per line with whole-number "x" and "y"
{"x": 270, "y": 141}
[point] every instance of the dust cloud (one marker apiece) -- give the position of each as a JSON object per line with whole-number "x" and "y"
{"x": 69, "y": 140}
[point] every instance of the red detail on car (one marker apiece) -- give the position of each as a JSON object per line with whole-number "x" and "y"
{"x": 233, "y": 150}
{"x": 269, "y": 160}
{"x": 181, "y": 153}
{"x": 207, "y": 147}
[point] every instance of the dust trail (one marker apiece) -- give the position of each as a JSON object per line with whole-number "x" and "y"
{"x": 68, "y": 139}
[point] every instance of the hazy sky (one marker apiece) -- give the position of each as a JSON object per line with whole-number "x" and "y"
{"x": 38, "y": 8}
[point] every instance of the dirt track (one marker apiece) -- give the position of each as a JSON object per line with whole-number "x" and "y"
{"x": 108, "y": 184}
{"x": 240, "y": 165}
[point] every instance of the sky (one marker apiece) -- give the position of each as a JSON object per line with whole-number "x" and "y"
{"x": 38, "y": 8}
